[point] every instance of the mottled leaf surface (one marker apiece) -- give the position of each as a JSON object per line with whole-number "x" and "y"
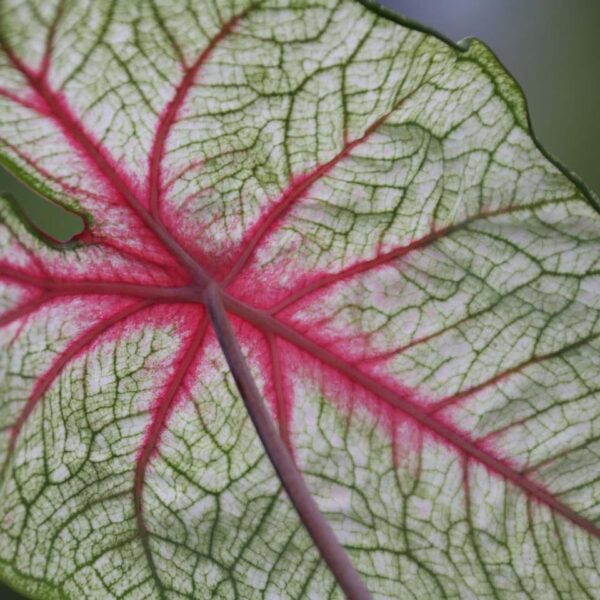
{"x": 413, "y": 282}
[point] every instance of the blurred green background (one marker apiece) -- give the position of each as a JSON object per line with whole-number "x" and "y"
{"x": 552, "y": 47}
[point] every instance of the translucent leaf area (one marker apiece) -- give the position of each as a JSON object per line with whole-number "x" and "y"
{"x": 413, "y": 283}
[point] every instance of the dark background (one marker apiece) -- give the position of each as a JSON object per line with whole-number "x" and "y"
{"x": 552, "y": 47}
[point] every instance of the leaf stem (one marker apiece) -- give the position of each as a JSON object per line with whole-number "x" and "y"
{"x": 319, "y": 529}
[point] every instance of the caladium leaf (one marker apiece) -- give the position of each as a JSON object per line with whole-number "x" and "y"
{"x": 413, "y": 285}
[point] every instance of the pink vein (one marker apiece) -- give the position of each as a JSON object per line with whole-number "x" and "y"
{"x": 24, "y": 310}
{"x": 387, "y": 257}
{"x": 50, "y": 39}
{"x": 172, "y": 110}
{"x": 159, "y": 421}
{"x": 456, "y": 398}
{"x": 90, "y": 239}
{"x": 300, "y": 185}
{"x": 6, "y": 93}
{"x": 45, "y": 381}
{"x": 64, "y": 288}
{"x": 360, "y": 267}
{"x": 267, "y": 323}
{"x": 83, "y": 236}
{"x": 104, "y": 163}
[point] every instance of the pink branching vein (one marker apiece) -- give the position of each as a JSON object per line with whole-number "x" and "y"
{"x": 72, "y": 350}
{"x": 162, "y": 411}
{"x": 99, "y": 158}
{"x": 172, "y": 110}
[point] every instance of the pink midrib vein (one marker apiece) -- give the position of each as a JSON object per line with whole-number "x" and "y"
{"x": 261, "y": 319}
{"x": 269, "y": 324}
